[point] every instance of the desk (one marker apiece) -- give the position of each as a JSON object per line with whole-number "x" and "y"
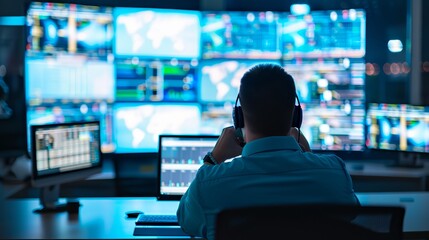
{"x": 105, "y": 217}
{"x": 98, "y": 218}
{"x": 380, "y": 177}
{"x": 416, "y": 220}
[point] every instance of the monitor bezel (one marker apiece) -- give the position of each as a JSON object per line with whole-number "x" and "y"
{"x": 62, "y": 177}
{"x": 174, "y": 197}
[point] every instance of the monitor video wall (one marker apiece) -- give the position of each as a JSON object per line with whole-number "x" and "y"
{"x": 144, "y": 72}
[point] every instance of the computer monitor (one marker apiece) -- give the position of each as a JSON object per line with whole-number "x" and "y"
{"x": 324, "y": 52}
{"x": 153, "y": 80}
{"x": 69, "y": 64}
{"x": 159, "y": 33}
{"x": 398, "y": 127}
{"x": 61, "y": 28}
{"x": 180, "y": 157}
{"x": 324, "y": 34}
{"x": 240, "y": 35}
{"x": 71, "y": 79}
{"x": 63, "y": 153}
{"x": 138, "y": 125}
{"x": 68, "y": 53}
{"x": 332, "y": 97}
{"x": 75, "y": 112}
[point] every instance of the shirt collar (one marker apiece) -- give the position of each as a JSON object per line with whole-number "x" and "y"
{"x": 267, "y": 144}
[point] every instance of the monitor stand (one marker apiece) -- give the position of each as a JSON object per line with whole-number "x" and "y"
{"x": 49, "y": 199}
{"x": 407, "y": 160}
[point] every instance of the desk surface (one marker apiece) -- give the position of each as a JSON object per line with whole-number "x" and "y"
{"x": 97, "y": 218}
{"x": 105, "y": 217}
{"x": 416, "y": 208}
{"x": 377, "y": 169}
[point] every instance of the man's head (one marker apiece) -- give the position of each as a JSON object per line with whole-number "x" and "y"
{"x": 267, "y": 97}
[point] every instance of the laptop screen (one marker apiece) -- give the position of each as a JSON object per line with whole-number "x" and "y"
{"x": 180, "y": 157}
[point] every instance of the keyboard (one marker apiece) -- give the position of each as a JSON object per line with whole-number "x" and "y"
{"x": 163, "y": 220}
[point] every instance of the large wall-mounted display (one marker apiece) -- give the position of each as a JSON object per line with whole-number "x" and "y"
{"x": 116, "y": 64}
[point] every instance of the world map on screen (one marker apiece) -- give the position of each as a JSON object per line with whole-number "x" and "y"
{"x": 158, "y": 33}
{"x": 139, "y": 126}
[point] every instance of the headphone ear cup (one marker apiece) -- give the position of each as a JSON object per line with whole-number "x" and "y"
{"x": 297, "y": 117}
{"x": 237, "y": 116}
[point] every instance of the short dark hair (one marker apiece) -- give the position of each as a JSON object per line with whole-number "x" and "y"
{"x": 267, "y": 97}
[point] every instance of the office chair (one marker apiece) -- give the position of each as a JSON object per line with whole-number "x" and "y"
{"x": 311, "y": 222}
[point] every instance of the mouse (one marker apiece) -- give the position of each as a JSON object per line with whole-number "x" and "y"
{"x": 133, "y": 213}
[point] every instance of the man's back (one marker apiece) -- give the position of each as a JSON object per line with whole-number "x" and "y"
{"x": 272, "y": 170}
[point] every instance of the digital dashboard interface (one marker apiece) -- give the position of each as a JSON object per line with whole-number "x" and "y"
{"x": 69, "y": 65}
{"x": 169, "y": 81}
{"x": 399, "y": 127}
{"x": 62, "y": 148}
{"x": 332, "y": 97}
{"x": 248, "y": 35}
{"x": 67, "y": 27}
{"x": 180, "y": 158}
{"x": 330, "y": 34}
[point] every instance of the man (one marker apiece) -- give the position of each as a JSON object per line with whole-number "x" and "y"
{"x": 273, "y": 168}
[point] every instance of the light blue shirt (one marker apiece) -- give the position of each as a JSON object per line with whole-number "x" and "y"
{"x": 271, "y": 170}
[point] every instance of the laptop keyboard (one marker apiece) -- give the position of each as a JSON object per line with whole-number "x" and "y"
{"x": 164, "y": 220}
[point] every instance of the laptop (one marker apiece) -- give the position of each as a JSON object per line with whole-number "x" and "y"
{"x": 179, "y": 158}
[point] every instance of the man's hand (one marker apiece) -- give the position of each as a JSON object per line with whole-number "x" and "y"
{"x": 226, "y": 146}
{"x": 300, "y": 138}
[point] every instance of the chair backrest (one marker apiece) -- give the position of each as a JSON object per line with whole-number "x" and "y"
{"x": 311, "y": 222}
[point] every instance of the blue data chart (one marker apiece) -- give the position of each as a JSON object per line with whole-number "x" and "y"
{"x": 324, "y": 34}
{"x": 157, "y": 33}
{"x": 168, "y": 81}
{"x": 330, "y": 81}
{"x": 399, "y": 127}
{"x": 68, "y": 78}
{"x": 68, "y": 54}
{"x": 338, "y": 127}
{"x": 332, "y": 96}
{"x": 71, "y": 28}
{"x": 245, "y": 35}
{"x": 180, "y": 158}
{"x": 138, "y": 125}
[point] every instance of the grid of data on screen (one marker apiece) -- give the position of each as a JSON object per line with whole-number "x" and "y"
{"x": 62, "y": 149}
{"x": 399, "y": 127}
{"x": 180, "y": 160}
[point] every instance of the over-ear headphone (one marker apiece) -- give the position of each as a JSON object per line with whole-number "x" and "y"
{"x": 238, "y": 119}
{"x": 297, "y": 114}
